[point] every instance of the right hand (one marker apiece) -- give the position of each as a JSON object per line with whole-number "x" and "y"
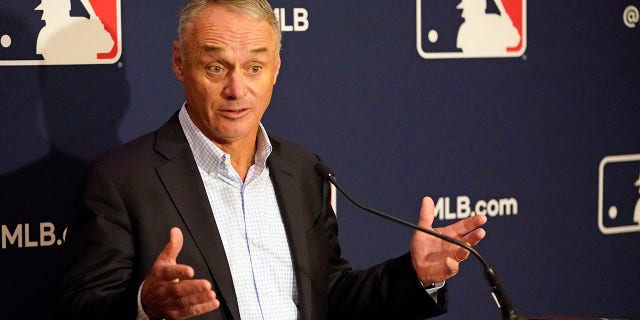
{"x": 169, "y": 290}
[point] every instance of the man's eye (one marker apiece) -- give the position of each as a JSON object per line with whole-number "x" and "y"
{"x": 215, "y": 69}
{"x": 255, "y": 69}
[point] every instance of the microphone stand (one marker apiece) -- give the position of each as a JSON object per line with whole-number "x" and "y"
{"x": 498, "y": 291}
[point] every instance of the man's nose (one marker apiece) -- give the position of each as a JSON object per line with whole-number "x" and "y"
{"x": 235, "y": 87}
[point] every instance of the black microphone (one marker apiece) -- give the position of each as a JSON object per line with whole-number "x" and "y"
{"x": 498, "y": 291}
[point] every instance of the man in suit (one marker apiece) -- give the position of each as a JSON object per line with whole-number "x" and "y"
{"x": 251, "y": 231}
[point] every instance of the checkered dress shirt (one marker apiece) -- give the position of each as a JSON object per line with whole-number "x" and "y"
{"x": 250, "y": 225}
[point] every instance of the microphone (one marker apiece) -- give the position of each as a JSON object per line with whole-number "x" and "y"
{"x": 498, "y": 291}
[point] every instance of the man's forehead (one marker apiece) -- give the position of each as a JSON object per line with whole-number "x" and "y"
{"x": 219, "y": 36}
{"x": 219, "y": 18}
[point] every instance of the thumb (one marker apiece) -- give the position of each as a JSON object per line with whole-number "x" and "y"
{"x": 171, "y": 251}
{"x": 426, "y": 213}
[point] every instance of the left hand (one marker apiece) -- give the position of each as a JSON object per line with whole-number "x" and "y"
{"x": 435, "y": 260}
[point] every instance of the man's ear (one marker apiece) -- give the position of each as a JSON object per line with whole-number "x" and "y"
{"x": 176, "y": 61}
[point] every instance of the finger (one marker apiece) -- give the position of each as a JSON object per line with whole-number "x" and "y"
{"x": 171, "y": 251}
{"x": 190, "y": 287}
{"x": 475, "y": 236}
{"x": 195, "y": 303}
{"x": 475, "y": 222}
{"x": 461, "y": 228}
{"x": 461, "y": 254}
{"x": 176, "y": 297}
{"x": 453, "y": 267}
{"x": 426, "y": 213}
{"x": 175, "y": 272}
{"x": 192, "y": 299}
{"x": 208, "y": 305}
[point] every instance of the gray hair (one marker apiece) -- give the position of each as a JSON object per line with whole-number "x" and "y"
{"x": 256, "y": 9}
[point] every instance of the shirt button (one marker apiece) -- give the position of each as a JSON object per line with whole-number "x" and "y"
{"x": 254, "y": 242}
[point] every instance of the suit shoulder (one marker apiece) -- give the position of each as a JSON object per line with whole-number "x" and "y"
{"x": 292, "y": 149}
{"x": 157, "y": 145}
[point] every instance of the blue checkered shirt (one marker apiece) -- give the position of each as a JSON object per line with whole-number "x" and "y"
{"x": 250, "y": 226}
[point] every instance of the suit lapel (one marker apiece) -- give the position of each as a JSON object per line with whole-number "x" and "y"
{"x": 184, "y": 185}
{"x": 289, "y": 198}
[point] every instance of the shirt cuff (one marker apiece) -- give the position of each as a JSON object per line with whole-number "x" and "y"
{"x": 141, "y": 314}
{"x": 432, "y": 289}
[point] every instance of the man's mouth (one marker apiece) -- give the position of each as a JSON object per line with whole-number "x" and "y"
{"x": 234, "y": 113}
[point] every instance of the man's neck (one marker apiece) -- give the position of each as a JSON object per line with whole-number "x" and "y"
{"x": 242, "y": 154}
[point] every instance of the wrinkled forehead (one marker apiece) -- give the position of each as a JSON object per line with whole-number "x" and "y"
{"x": 223, "y": 32}
{"x": 229, "y": 16}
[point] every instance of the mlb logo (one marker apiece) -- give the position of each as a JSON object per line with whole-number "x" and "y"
{"x": 619, "y": 194}
{"x": 60, "y": 32}
{"x": 452, "y": 29}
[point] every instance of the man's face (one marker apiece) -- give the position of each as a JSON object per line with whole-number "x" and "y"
{"x": 229, "y": 64}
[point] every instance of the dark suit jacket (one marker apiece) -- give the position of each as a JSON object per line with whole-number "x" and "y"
{"x": 134, "y": 194}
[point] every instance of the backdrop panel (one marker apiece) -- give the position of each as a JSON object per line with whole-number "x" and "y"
{"x": 540, "y": 132}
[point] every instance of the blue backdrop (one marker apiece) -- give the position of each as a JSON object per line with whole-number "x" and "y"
{"x": 544, "y": 137}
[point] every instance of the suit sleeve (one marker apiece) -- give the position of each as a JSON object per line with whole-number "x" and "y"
{"x": 390, "y": 290}
{"x": 99, "y": 257}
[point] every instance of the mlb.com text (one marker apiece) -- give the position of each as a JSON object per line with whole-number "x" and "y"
{"x": 462, "y": 207}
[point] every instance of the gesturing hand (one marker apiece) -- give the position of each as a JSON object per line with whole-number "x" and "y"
{"x": 170, "y": 292}
{"x": 435, "y": 260}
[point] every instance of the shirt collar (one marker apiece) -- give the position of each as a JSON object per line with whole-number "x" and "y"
{"x": 211, "y": 158}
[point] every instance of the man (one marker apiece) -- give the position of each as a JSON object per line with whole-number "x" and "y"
{"x": 251, "y": 233}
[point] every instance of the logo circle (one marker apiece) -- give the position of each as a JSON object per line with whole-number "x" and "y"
{"x": 613, "y": 212}
{"x": 631, "y": 16}
{"x": 5, "y": 41}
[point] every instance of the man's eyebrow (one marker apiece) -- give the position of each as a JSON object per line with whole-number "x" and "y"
{"x": 216, "y": 49}
{"x": 259, "y": 50}
{"x": 211, "y": 49}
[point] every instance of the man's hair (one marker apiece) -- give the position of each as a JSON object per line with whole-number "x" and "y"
{"x": 255, "y": 9}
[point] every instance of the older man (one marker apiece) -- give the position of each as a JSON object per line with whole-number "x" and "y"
{"x": 251, "y": 234}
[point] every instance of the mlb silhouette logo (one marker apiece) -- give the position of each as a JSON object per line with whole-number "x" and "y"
{"x": 619, "y": 194}
{"x": 451, "y": 29}
{"x": 60, "y": 32}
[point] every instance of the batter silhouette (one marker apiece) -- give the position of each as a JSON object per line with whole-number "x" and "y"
{"x": 485, "y": 33}
{"x": 67, "y": 39}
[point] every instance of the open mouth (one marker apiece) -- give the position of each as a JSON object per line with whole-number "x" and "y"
{"x": 234, "y": 113}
